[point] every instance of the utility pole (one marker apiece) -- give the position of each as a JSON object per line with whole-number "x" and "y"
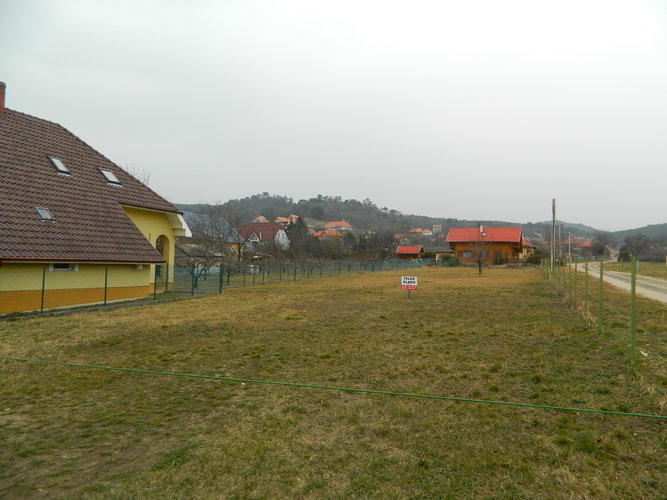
{"x": 553, "y": 236}
{"x": 569, "y": 247}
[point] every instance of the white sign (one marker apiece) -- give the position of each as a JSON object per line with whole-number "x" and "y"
{"x": 409, "y": 282}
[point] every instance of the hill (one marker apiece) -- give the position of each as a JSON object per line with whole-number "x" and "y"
{"x": 363, "y": 215}
{"x": 653, "y": 231}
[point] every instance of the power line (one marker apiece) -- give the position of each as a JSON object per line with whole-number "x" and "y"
{"x": 344, "y": 389}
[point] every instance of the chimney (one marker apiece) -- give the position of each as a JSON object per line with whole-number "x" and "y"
{"x": 2, "y": 96}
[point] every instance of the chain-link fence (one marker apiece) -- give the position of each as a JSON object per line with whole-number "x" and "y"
{"x": 197, "y": 279}
{"x": 39, "y": 287}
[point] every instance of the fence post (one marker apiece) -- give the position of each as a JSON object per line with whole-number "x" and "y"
{"x": 166, "y": 276}
{"x": 280, "y": 270}
{"x": 294, "y": 271}
{"x": 155, "y": 282}
{"x": 569, "y": 277}
{"x": 586, "y": 287}
{"x": 41, "y": 307}
{"x": 633, "y": 312}
{"x": 244, "y": 273}
{"x": 600, "y": 310}
{"x": 106, "y": 282}
{"x": 575, "y": 285}
{"x": 221, "y": 277}
{"x": 192, "y": 281}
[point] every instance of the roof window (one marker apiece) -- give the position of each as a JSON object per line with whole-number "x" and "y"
{"x": 110, "y": 177}
{"x": 45, "y": 214}
{"x": 59, "y": 165}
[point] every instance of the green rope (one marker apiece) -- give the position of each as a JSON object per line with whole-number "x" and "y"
{"x": 345, "y": 389}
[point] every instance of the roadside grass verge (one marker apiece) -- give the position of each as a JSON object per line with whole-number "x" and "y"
{"x": 651, "y": 269}
{"x": 505, "y": 335}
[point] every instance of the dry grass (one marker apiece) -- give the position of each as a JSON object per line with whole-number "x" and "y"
{"x": 503, "y": 336}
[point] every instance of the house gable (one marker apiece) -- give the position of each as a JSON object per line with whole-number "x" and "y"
{"x": 89, "y": 222}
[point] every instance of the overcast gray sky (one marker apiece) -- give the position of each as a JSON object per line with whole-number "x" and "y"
{"x": 468, "y": 109}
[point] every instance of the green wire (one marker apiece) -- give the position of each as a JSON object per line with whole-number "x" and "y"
{"x": 345, "y": 389}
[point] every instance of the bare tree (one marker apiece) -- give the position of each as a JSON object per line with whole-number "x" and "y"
{"x": 139, "y": 173}
{"x": 637, "y": 243}
{"x": 480, "y": 243}
{"x": 216, "y": 228}
{"x": 602, "y": 241}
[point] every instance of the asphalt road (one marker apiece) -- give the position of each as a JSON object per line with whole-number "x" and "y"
{"x": 652, "y": 288}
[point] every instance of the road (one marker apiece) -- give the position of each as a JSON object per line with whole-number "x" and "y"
{"x": 652, "y": 288}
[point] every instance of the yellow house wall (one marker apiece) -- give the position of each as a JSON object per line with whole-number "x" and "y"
{"x": 153, "y": 225}
{"x": 21, "y": 285}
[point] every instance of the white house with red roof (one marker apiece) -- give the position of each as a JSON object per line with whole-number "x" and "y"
{"x": 338, "y": 225}
{"x": 264, "y": 233}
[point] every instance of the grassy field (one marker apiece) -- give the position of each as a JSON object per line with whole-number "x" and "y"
{"x": 652, "y": 269}
{"x": 506, "y": 336}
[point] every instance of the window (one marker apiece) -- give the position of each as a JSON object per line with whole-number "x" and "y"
{"x": 59, "y": 165}
{"x": 45, "y": 214}
{"x": 63, "y": 266}
{"x": 110, "y": 177}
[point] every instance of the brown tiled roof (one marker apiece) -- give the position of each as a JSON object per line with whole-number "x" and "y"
{"x": 265, "y": 231}
{"x": 90, "y": 224}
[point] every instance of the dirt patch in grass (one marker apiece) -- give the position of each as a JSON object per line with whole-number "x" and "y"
{"x": 504, "y": 335}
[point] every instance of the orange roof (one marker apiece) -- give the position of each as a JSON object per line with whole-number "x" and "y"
{"x": 416, "y": 230}
{"x": 489, "y": 234}
{"x": 328, "y": 234}
{"x": 409, "y": 249}
{"x": 337, "y": 223}
{"x": 282, "y": 219}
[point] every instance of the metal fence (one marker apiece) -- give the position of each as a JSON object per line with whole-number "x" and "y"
{"x": 40, "y": 287}
{"x": 582, "y": 286}
{"x": 197, "y": 279}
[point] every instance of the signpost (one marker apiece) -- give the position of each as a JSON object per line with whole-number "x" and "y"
{"x": 409, "y": 283}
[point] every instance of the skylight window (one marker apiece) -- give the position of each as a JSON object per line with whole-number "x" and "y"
{"x": 45, "y": 214}
{"x": 59, "y": 165}
{"x": 110, "y": 177}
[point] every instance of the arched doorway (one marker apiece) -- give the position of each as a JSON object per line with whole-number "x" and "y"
{"x": 162, "y": 270}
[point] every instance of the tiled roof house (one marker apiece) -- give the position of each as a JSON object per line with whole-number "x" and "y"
{"x": 488, "y": 243}
{"x": 258, "y": 233}
{"x": 338, "y": 225}
{"x": 66, "y": 207}
{"x": 409, "y": 252}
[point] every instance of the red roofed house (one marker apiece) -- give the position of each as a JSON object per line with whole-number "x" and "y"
{"x": 75, "y": 228}
{"x": 258, "y": 233}
{"x": 491, "y": 244}
{"x": 413, "y": 252}
{"x": 328, "y": 234}
{"x": 338, "y": 225}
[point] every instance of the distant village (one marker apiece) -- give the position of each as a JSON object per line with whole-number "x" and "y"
{"x": 261, "y": 239}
